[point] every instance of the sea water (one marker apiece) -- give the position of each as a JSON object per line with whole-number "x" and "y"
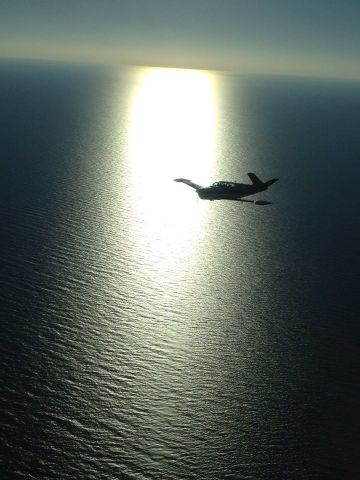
{"x": 146, "y": 334}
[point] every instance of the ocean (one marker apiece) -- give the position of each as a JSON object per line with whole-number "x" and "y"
{"x": 148, "y": 334}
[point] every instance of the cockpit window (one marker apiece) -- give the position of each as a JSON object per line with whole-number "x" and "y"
{"x": 223, "y": 184}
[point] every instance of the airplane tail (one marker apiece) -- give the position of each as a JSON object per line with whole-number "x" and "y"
{"x": 256, "y": 181}
{"x": 270, "y": 182}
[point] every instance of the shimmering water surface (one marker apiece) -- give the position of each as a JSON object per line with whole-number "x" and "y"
{"x": 148, "y": 335}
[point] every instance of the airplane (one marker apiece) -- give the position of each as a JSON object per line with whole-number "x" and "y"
{"x": 231, "y": 190}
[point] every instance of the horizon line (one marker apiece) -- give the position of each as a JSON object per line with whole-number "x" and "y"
{"x": 246, "y": 70}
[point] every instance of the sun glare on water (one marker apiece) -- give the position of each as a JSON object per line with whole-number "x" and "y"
{"x": 172, "y": 134}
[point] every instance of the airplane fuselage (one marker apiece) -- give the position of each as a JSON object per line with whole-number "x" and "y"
{"x": 231, "y": 190}
{"x": 228, "y": 191}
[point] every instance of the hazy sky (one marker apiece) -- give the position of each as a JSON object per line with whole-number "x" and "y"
{"x": 303, "y": 36}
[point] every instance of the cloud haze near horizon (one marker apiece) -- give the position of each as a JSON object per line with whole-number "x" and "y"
{"x": 275, "y": 36}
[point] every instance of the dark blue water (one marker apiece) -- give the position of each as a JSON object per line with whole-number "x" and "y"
{"x": 148, "y": 335}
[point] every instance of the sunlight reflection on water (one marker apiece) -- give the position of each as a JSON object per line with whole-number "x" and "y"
{"x": 172, "y": 134}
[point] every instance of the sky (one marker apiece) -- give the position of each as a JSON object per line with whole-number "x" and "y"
{"x": 308, "y": 37}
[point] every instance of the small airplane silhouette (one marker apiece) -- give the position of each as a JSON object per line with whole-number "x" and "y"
{"x": 231, "y": 190}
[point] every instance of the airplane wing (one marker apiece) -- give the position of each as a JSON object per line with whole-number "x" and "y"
{"x": 242, "y": 200}
{"x": 256, "y": 202}
{"x": 188, "y": 182}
